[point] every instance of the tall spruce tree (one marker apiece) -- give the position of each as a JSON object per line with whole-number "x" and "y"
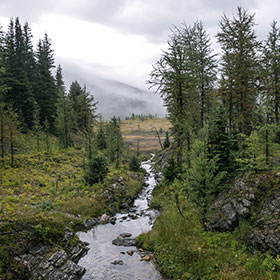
{"x": 239, "y": 69}
{"x": 65, "y": 120}
{"x": 46, "y": 93}
{"x": 19, "y": 95}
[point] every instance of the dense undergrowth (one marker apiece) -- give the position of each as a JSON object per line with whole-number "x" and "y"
{"x": 46, "y": 192}
{"x": 184, "y": 250}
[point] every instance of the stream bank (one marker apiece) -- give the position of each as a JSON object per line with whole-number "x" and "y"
{"x": 112, "y": 253}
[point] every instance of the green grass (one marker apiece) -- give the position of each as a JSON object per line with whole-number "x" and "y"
{"x": 183, "y": 250}
{"x": 46, "y": 192}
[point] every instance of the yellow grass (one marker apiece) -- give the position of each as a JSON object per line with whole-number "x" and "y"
{"x": 143, "y": 133}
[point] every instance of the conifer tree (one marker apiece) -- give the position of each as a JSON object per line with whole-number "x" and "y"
{"x": 221, "y": 144}
{"x": 184, "y": 78}
{"x": 101, "y": 137}
{"x": 166, "y": 142}
{"x": 203, "y": 179}
{"x": 19, "y": 94}
{"x": 46, "y": 93}
{"x": 204, "y": 69}
{"x": 65, "y": 120}
{"x": 114, "y": 141}
{"x": 239, "y": 69}
{"x": 271, "y": 73}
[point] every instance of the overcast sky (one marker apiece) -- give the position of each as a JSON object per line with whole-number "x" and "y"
{"x": 121, "y": 39}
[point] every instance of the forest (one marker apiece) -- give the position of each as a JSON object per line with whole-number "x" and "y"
{"x": 217, "y": 165}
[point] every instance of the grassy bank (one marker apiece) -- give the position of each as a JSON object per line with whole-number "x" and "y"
{"x": 44, "y": 193}
{"x": 183, "y": 250}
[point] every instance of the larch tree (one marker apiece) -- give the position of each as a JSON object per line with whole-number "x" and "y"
{"x": 171, "y": 82}
{"x": 271, "y": 65}
{"x": 239, "y": 69}
{"x": 184, "y": 77}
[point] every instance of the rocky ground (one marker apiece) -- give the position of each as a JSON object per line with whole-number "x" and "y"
{"x": 256, "y": 200}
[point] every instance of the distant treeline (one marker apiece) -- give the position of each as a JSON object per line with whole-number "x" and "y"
{"x": 141, "y": 117}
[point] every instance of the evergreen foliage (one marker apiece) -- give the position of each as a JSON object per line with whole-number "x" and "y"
{"x": 166, "y": 142}
{"x": 239, "y": 70}
{"x": 134, "y": 164}
{"x": 96, "y": 170}
{"x": 114, "y": 140}
{"x": 171, "y": 171}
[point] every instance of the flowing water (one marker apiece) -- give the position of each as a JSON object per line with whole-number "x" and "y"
{"x": 98, "y": 261}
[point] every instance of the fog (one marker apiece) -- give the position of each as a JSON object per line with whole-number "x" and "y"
{"x": 115, "y": 98}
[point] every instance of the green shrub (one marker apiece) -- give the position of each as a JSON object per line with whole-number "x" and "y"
{"x": 134, "y": 164}
{"x": 96, "y": 170}
{"x": 171, "y": 171}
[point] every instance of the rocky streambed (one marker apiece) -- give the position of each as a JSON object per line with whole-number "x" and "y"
{"x": 112, "y": 253}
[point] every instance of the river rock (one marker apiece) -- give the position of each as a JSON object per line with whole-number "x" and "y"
{"x": 125, "y": 234}
{"x": 113, "y": 220}
{"x": 127, "y": 242}
{"x": 90, "y": 223}
{"x": 117, "y": 262}
{"x": 130, "y": 252}
{"x": 104, "y": 219}
{"x": 146, "y": 258}
{"x": 132, "y": 216}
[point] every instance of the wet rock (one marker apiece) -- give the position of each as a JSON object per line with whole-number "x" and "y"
{"x": 130, "y": 252}
{"x": 124, "y": 205}
{"x": 146, "y": 258}
{"x": 49, "y": 263}
{"x": 68, "y": 235}
{"x": 51, "y": 266}
{"x": 71, "y": 268}
{"x": 117, "y": 262}
{"x": 78, "y": 251}
{"x": 125, "y": 234}
{"x": 90, "y": 223}
{"x": 127, "y": 242}
{"x": 124, "y": 217}
{"x": 113, "y": 220}
{"x": 132, "y": 216}
{"x": 104, "y": 219}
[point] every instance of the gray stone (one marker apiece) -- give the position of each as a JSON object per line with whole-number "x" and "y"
{"x": 117, "y": 262}
{"x": 125, "y": 234}
{"x": 113, "y": 220}
{"x": 104, "y": 219}
{"x": 72, "y": 268}
{"x": 90, "y": 223}
{"x": 127, "y": 242}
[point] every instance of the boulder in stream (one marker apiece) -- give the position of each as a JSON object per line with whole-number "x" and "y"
{"x": 119, "y": 262}
{"x": 127, "y": 242}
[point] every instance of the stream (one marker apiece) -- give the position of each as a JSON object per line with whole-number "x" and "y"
{"x": 102, "y": 254}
